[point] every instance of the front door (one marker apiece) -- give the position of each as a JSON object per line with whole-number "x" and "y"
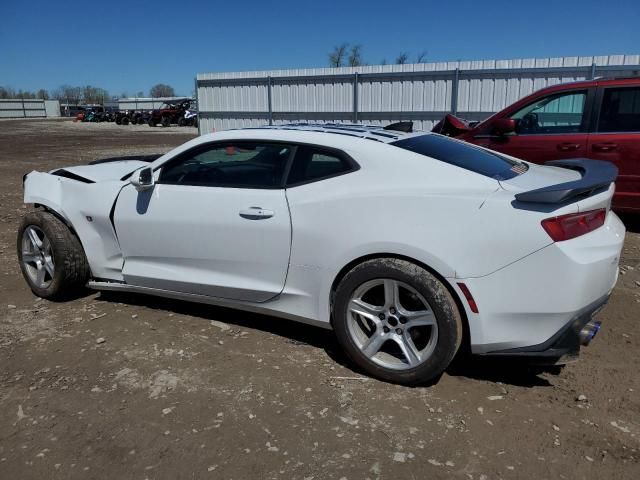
{"x": 617, "y": 140}
{"x": 550, "y": 128}
{"x": 216, "y": 223}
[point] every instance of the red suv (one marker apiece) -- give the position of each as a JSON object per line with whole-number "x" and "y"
{"x": 597, "y": 119}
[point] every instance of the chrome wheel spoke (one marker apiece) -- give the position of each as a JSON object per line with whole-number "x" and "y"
{"x": 359, "y": 307}
{"x": 40, "y": 274}
{"x": 373, "y": 344}
{"x": 48, "y": 266}
{"x": 391, "y": 294}
{"x": 408, "y": 349}
{"x": 30, "y": 257}
{"x": 422, "y": 318}
{"x": 35, "y": 240}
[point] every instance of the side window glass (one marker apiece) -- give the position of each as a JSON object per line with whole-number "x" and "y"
{"x": 620, "y": 111}
{"x": 313, "y": 163}
{"x": 560, "y": 113}
{"x": 240, "y": 165}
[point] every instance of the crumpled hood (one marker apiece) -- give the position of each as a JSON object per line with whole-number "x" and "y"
{"x": 105, "y": 171}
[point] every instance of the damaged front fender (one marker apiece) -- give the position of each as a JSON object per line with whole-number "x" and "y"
{"x": 86, "y": 208}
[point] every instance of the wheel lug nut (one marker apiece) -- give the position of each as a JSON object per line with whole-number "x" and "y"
{"x": 392, "y": 310}
{"x": 399, "y": 331}
{"x": 403, "y": 320}
{"x": 385, "y": 329}
{"x": 381, "y": 316}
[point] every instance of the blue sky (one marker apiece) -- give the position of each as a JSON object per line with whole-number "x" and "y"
{"x": 130, "y": 46}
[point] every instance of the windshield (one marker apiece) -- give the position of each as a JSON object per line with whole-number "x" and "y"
{"x": 463, "y": 155}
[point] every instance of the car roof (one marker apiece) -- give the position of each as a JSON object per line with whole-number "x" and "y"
{"x": 368, "y": 132}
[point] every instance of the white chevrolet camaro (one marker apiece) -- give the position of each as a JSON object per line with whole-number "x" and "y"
{"x": 408, "y": 245}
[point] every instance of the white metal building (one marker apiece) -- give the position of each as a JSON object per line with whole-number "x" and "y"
{"x": 380, "y": 94}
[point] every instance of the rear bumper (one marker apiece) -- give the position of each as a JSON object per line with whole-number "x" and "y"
{"x": 565, "y": 343}
{"x": 540, "y": 303}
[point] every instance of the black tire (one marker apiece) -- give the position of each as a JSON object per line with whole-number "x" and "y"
{"x": 444, "y": 307}
{"x": 152, "y": 123}
{"x": 166, "y": 121}
{"x": 71, "y": 271}
{"x": 125, "y": 120}
{"x": 118, "y": 121}
{"x": 182, "y": 122}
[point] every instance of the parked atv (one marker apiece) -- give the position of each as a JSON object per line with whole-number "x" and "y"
{"x": 170, "y": 112}
{"x": 124, "y": 117}
{"x": 190, "y": 119}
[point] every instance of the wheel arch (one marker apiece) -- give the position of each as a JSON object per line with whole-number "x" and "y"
{"x": 373, "y": 256}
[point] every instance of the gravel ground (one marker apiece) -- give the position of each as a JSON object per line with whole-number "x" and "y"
{"x": 124, "y": 386}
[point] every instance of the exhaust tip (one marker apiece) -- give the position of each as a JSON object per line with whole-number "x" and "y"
{"x": 588, "y": 332}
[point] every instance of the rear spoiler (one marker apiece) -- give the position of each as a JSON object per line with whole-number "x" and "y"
{"x": 596, "y": 175}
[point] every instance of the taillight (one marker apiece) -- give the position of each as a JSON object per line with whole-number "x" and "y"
{"x": 566, "y": 227}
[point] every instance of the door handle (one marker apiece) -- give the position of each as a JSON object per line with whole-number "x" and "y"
{"x": 256, "y": 213}
{"x": 568, "y": 146}
{"x": 604, "y": 147}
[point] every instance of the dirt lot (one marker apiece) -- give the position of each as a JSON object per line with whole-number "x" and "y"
{"x": 187, "y": 391}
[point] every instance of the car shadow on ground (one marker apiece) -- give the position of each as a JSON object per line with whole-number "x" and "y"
{"x": 505, "y": 371}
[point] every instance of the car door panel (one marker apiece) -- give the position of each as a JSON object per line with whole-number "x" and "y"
{"x": 617, "y": 140}
{"x": 195, "y": 239}
{"x": 539, "y": 148}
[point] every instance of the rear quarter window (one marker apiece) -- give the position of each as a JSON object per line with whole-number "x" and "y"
{"x": 463, "y": 155}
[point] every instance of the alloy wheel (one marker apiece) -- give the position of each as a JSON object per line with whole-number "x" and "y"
{"x": 392, "y": 324}
{"x": 37, "y": 256}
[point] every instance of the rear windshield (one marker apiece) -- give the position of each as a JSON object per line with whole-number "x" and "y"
{"x": 463, "y": 155}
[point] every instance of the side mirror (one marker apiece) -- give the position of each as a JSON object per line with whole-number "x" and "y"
{"x": 142, "y": 179}
{"x": 502, "y": 126}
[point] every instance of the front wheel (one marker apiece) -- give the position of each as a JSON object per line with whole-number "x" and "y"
{"x": 51, "y": 257}
{"x": 396, "y": 321}
{"x": 166, "y": 121}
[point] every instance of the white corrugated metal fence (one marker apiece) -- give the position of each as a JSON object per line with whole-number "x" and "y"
{"x": 380, "y": 94}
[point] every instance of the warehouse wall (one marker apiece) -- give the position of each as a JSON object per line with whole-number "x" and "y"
{"x": 29, "y": 108}
{"x": 380, "y": 94}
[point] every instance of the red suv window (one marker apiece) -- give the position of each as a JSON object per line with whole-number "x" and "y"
{"x": 620, "y": 110}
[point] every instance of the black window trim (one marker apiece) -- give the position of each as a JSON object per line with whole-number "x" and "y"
{"x": 335, "y": 152}
{"x": 354, "y": 166}
{"x": 599, "y": 98}
{"x": 587, "y": 117}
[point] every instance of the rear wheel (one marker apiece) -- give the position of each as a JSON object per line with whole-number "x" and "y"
{"x": 51, "y": 257}
{"x": 166, "y": 121}
{"x": 396, "y": 321}
{"x": 125, "y": 120}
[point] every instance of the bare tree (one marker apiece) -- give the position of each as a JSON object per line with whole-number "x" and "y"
{"x": 140, "y": 94}
{"x": 336, "y": 58}
{"x": 355, "y": 56}
{"x": 383, "y": 61}
{"x": 422, "y": 57}
{"x": 402, "y": 58}
{"x": 7, "y": 92}
{"x": 162, "y": 90}
{"x": 43, "y": 94}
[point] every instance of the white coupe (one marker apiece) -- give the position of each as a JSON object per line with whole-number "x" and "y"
{"x": 407, "y": 244}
